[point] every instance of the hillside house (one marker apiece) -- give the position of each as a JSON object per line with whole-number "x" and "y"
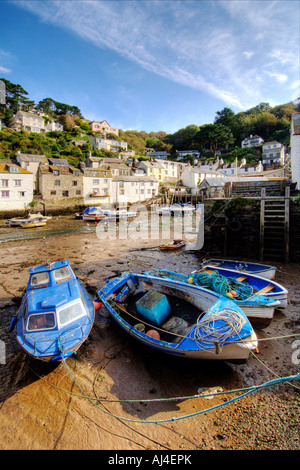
{"x": 33, "y": 122}
{"x": 153, "y": 169}
{"x": 157, "y": 155}
{"x": 100, "y": 143}
{"x": 103, "y": 127}
{"x": 252, "y": 141}
{"x": 273, "y": 152}
{"x": 171, "y": 170}
{"x": 16, "y": 186}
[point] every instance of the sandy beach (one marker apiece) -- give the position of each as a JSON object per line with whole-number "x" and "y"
{"x": 87, "y": 403}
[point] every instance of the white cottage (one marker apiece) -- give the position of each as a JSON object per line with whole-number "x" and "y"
{"x": 131, "y": 189}
{"x": 16, "y": 186}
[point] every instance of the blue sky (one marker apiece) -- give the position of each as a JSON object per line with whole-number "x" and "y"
{"x": 152, "y": 65}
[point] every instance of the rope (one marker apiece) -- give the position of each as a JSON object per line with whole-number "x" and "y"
{"x": 221, "y": 284}
{"x": 251, "y": 390}
{"x": 218, "y": 327}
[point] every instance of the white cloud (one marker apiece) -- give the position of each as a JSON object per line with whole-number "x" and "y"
{"x": 279, "y": 77}
{"x": 248, "y": 54}
{"x": 4, "y": 70}
{"x": 190, "y": 43}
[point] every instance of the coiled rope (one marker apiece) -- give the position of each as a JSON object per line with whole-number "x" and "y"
{"x": 218, "y": 327}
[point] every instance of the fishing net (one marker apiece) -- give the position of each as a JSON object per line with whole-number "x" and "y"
{"x": 227, "y": 286}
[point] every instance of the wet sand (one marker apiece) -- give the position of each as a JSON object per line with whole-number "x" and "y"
{"x": 43, "y": 407}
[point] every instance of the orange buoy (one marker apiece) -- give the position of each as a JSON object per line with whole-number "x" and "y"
{"x": 153, "y": 334}
{"x": 233, "y": 293}
{"x": 97, "y": 304}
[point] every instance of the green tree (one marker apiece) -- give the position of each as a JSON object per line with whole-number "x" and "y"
{"x": 214, "y": 137}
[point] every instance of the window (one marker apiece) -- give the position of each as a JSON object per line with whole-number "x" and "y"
{"x": 78, "y": 192}
{"x": 41, "y": 321}
{"x": 74, "y": 183}
{"x": 76, "y": 173}
{"x": 95, "y": 181}
{"x": 56, "y": 172}
{"x": 39, "y": 279}
{"x": 18, "y": 182}
{"x": 53, "y": 193}
{"x": 4, "y": 193}
{"x": 21, "y": 193}
{"x": 5, "y": 183}
{"x": 60, "y": 274}
{"x": 72, "y": 311}
{"x": 13, "y": 169}
{"x": 65, "y": 193}
{"x": 57, "y": 182}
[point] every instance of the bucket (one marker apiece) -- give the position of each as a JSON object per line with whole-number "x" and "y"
{"x": 140, "y": 327}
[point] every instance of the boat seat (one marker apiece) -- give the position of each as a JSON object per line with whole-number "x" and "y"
{"x": 266, "y": 289}
{"x": 241, "y": 278}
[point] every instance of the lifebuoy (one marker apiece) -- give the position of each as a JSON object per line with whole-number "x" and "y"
{"x": 234, "y": 225}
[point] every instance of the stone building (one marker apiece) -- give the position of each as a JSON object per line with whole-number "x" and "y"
{"x": 60, "y": 182}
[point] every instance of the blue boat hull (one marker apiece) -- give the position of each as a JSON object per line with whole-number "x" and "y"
{"x": 65, "y": 336}
{"x": 191, "y": 344}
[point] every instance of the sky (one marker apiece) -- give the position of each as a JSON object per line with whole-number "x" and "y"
{"x": 153, "y": 65}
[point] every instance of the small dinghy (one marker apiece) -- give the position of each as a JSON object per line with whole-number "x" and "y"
{"x": 178, "y": 318}
{"x": 56, "y": 313}
{"x": 263, "y": 270}
{"x": 260, "y": 285}
{"x": 258, "y": 308}
{"x": 173, "y": 246}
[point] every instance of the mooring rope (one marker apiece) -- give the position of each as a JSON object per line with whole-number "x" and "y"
{"x": 191, "y": 415}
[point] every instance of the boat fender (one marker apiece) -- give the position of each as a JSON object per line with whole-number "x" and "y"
{"x": 97, "y": 304}
{"x": 234, "y": 225}
{"x": 190, "y": 280}
{"x": 12, "y": 324}
{"x": 153, "y": 334}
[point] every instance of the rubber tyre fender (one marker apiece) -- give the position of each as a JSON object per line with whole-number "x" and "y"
{"x": 234, "y": 225}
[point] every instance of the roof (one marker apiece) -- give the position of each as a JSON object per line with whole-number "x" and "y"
{"x": 212, "y": 182}
{"x": 4, "y": 168}
{"x": 28, "y": 157}
{"x": 58, "y": 161}
{"x": 136, "y": 178}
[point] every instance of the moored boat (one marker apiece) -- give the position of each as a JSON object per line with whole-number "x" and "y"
{"x": 258, "y": 308}
{"x": 56, "y": 313}
{"x": 179, "y": 319}
{"x": 34, "y": 222}
{"x": 173, "y": 246}
{"x": 18, "y": 221}
{"x": 263, "y": 270}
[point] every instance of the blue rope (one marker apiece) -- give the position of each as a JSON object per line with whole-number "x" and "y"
{"x": 222, "y": 285}
{"x": 252, "y": 390}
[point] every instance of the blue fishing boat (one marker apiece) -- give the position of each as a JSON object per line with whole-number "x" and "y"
{"x": 263, "y": 270}
{"x": 178, "y": 318}
{"x": 56, "y": 313}
{"x": 250, "y": 297}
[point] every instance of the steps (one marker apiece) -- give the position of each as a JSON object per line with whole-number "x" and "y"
{"x": 274, "y": 227}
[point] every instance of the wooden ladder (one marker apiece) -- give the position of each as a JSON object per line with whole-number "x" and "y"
{"x": 274, "y": 227}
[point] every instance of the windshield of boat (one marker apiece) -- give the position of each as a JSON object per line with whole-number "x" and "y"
{"x": 70, "y": 312}
{"x": 38, "y": 279}
{"x": 61, "y": 273}
{"x": 41, "y": 321}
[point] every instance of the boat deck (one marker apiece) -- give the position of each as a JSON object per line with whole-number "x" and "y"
{"x": 182, "y": 318}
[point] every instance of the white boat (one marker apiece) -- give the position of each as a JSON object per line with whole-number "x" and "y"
{"x": 176, "y": 209}
{"x": 18, "y": 221}
{"x": 257, "y": 306}
{"x": 263, "y": 270}
{"x": 179, "y": 319}
{"x": 118, "y": 214}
